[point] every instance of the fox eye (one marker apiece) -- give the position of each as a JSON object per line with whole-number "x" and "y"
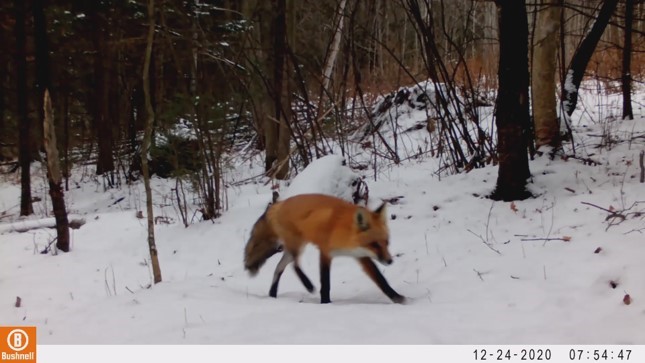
{"x": 374, "y": 245}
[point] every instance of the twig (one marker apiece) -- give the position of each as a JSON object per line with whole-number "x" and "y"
{"x": 640, "y": 230}
{"x": 585, "y": 161}
{"x": 566, "y": 239}
{"x": 486, "y": 243}
{"x": 425, "y": 236}
{"x": 595, "y": 206}
{"x": 48, "y": 248}
{"x": 113, "y": 280}
{"x": 479, "y": 274}
{"x": 490, "y": 212}
{"x": 641, "y": 162}
{"x": 613, "y": 214}
{"x": 107, "y": 284}
{"x": 552, "y": 222}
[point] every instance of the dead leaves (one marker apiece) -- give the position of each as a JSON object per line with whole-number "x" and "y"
{"x": 627, "y": 299}
{"x": 513, "y": 207}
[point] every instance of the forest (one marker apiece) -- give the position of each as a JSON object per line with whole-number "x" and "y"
{"x": 183, "y": 112}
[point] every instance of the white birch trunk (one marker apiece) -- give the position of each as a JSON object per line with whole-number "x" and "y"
{"x": 335, "y": 46}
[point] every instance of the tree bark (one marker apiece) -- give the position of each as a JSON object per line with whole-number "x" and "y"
{"x": 147, "y": 137}
{"x": 43, "y": 79}
{"x": 545, "y": 115}
{"x": 335, "y": 47}
{"x": 103, "y": 124}
{"x": 627, "y": 59}
{"x": 24, "y": 154}
{"x": 279, "y": 132}
{"x": 54, "y": 176}
{"x": 259, "y": 11}
{"x": 270, "y": 124}
{"x": 424, "y": 22}
{"x": 512, "y": 107}
{"x": 66, "y": 122}
{"x": 4, "y": 64}
{"x": 582, "y": 55}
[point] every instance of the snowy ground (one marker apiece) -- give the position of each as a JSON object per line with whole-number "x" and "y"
{"x": 465, "y": 262}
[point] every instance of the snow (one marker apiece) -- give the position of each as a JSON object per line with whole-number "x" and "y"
{"x": 402, "y": 116}
{"x": 327, "y": 175}
{"x": 25, "y": 225}
{"x": 474, "y": 271}
{"x": 568, "y": 82}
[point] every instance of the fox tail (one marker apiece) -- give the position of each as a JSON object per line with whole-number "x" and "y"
{"x": 262, "y": 244}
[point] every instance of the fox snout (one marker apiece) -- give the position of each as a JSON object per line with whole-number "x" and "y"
{"x": 384, "y": 257}
{"x": 380, "y": 252}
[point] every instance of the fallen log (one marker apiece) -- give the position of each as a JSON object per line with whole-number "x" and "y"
{"x": 75, "y": 222}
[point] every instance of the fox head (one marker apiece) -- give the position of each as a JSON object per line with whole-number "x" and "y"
{"x": 373, "y": 235}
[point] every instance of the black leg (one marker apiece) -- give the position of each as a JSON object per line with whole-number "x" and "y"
{"x": 303, "y": 278}
{"x": 325, "y": 266}
{"x": 372, "y": 271}
{"x": 273, "y": 292}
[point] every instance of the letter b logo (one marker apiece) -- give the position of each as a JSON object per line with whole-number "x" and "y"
{"x": 17, "y": 340}
{"x": 18, "y": 344}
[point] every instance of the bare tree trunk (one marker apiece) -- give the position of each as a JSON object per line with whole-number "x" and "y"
{"x": 425, "y": 33}
{"x": 259, "y": 11}
{"x": 154, "y": 258}
{"x": 545, "y": 115}
{"x": 270, "y": 124}
{"x": 43, "y": 79}
{"x": 54, "y": 176}
{"x": 581, "y": 57}
{"x": 627, "y": 59}
{"x": 43, "y": 85}
{"x": 3, "y": 134}
{"x": 24, "y": 128}
{"x": 105, "y": 160}
{"x": 66, "y": 122}
{"x": 335, "y": 46}
{"x": 283, "y": 136}
{"x": 512, "y": 105}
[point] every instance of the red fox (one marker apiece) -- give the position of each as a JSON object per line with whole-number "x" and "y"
{"x": 335, "y": 226}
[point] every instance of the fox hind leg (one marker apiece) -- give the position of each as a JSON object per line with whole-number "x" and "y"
{"x": 325, "y": 267}
{"x": 286, "y": 259}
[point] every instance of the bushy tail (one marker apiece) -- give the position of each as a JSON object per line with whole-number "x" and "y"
{"x": 262, "y": 244}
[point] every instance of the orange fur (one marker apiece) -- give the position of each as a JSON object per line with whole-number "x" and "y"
{"x": 335, "y": 226}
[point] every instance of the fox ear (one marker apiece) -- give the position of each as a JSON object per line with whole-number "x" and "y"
{"x": 361, "y": 220}
{"x": 381, "y": 211}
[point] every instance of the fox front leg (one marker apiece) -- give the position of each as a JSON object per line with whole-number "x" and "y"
{"x": 372, "y": 271}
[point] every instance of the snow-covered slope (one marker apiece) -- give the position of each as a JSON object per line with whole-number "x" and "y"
{"x": 546, "y": 270}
